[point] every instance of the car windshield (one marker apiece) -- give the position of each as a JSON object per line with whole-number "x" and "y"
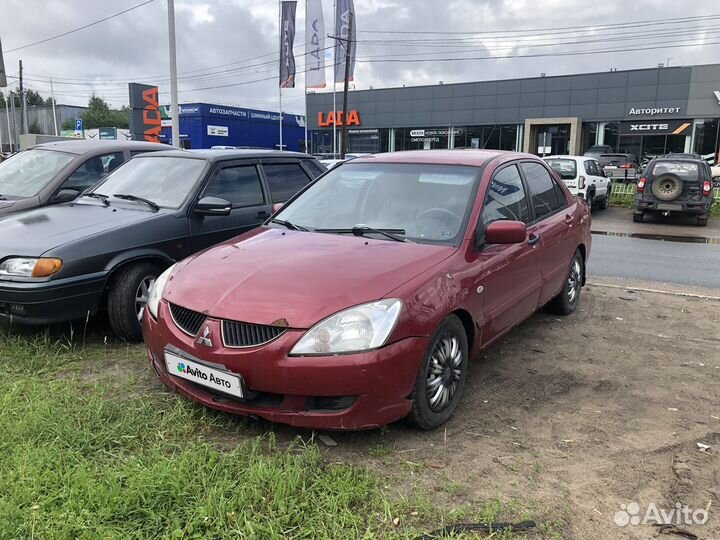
{"x": 566, "y": 168}
{"x": 28, "y": 172}
{"x": 421, "y": 203}
{"x": 689, "y": 172}
{"x": 165, "y": 180}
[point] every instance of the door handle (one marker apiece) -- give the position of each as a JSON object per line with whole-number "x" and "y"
{"x": 568, "y": 219}
{"x": 263, "y": 214}
{"x": 533, "y": 239}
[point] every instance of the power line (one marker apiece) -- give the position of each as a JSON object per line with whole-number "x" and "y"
{"x": 653, "y": 22}
{"x": 80, "y": 27}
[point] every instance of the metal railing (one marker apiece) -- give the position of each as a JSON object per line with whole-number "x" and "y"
{"x": 624, "y": 194}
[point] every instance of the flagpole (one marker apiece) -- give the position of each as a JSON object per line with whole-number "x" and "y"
{"x": 307, "y": 58}
{"x": 280, "y": 70}
{"x": 335, "y": 81}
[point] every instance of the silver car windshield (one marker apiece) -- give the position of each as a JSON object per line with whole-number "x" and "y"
{"x": 165, "y": 180}
{"x": 27, "y": 173}
{"x": 428, "y": 203}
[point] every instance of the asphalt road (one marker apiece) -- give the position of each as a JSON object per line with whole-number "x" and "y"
{"x": 655, "y": 260}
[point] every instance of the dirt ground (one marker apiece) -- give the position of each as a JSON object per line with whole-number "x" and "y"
{"x": 573, "y": 417}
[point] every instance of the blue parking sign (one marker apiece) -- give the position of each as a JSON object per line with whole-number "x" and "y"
{"x": 78, "y": 124}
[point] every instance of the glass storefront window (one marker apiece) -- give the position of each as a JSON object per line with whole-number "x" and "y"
{"x": 589, "y": 135}
{"x": 421, "y": 138}
{"x": 612, "y": 135}
{"x": 498, "y": 137}
{"x": 707, "y": 138}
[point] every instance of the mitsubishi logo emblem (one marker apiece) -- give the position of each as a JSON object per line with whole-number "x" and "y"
{"x": 204, "y": 339}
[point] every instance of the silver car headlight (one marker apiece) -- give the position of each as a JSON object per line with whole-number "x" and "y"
{"x": 157, "y": 289}
{"x": 30, "y": 267}
{"x": 357, "y": 329}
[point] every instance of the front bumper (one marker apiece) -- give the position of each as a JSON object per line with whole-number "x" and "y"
{"x": 49, "y": 302}
{"x": 682, "y": 207}
{"x": 352, "y": 391}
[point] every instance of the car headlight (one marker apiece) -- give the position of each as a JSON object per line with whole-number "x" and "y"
{"x": 156, "y": 291}
{"x": 30, "y": 267}
{"x": 356, "y": 329}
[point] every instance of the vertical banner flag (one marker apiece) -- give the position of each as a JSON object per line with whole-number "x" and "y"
{"x": 315, "y": 35}
{"x": 287, "y": 38}
{"x": 3, "y": 75}
{"x": 345, "y": 10}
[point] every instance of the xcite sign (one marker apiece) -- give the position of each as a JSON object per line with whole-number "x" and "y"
{"x": 670, "y": 127}
{"x": 336, "y": 119}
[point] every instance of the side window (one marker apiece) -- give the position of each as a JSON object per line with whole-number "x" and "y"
{"x": 599, "y": 168}
{"x": 240, "y": 185}
{"x": 543, "y": 189}
{"x": 590, "y": 168}
{"x": 506, "y": 198}
{"x": 92, "y": 170}
{"x": 285, "y": 180}
{"x": 314, "y": 167}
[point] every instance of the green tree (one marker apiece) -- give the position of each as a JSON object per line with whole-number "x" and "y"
{"x": 99, "y": 114}
{"x": 35, "y": 128}
{"x": 34, "y": 99}
{"x": 68, "y": 123}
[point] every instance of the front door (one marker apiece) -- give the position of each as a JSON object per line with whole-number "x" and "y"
{"x": 509, "y": 276}
{"x": 240, "y": 184}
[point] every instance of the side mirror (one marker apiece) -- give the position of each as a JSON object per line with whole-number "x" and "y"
{"x": 65, "y": 195}
{"x": 213, "y": 206}
{"x": 277, "y": 206}
{"x": 505, "y": 232}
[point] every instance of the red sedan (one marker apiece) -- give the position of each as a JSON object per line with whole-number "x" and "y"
{"x": 362, "y": 300}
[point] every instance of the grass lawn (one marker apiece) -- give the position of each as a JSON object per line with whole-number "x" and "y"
{"x": 90, "y": 452}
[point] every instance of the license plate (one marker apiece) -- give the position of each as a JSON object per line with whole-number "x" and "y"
{"x": 216, "y": 379}
{"x": 662, "y": 206}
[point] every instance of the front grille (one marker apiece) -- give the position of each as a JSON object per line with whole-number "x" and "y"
{"x": 187, "y": 320}
{"x": 242, "y": 334}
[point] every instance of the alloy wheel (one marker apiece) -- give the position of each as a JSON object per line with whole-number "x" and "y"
{"x": 574, "y": 281}
{"x": 142, "y": 295}
{"x": 444, "y": 372}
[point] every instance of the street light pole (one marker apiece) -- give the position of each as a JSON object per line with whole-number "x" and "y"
{"x": 174, "y": 108}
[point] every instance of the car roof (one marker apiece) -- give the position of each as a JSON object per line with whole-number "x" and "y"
{"x": 221, "y": 155}
{"x": 576, "y": 158}
{"x": 680, "y": 158}
{"x": 471, "y": 157}
{"x": 83, "y": 146}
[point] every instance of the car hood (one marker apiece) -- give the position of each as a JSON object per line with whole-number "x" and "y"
{"x": 34, "y": 232}
{"x": 268, "y": 275}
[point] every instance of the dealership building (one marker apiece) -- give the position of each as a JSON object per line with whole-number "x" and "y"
{"x": 646, "y": 112}
{"x": 204, "y": 125}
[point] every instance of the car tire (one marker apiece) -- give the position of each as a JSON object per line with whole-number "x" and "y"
{"x": 589, "y": 198}
{"x": 702, "y": 221}
{"x": 569, "y": 297}
{"x": 447, "y": 353}
{"x": 125, "y": 299}
{"x": 667, "y": 187}
{"x": 638, "y": 217}
{"x": 606, "y": 200}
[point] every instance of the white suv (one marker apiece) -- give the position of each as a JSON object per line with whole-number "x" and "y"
{"x": 584, "y": 177}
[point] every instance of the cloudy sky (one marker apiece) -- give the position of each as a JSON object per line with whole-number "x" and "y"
{"x": 227, "y": 49}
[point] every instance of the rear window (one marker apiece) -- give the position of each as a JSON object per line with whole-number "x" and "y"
{"x": 615, "y": 159}
{"x": 566, "y": 168}
{"x": 689, "y": 172}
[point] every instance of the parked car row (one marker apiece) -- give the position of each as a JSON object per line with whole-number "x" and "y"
{"x": 357, "y": 303}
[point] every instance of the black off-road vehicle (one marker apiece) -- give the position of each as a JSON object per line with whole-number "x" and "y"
{"x": 675, "y": 186}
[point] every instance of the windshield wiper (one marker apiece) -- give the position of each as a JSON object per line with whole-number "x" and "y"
{"x": 360, "y": 230}
{"x": 288, "y": 225}
{"x": 100, "y": 196}
{"x": 127, "y": 197}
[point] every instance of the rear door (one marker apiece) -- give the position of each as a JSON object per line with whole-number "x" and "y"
{"x": 238, "y": 182}
{"x": 284, "y": 178}
{"x": 552, "y": 224}
{"x": 509, "y": 277}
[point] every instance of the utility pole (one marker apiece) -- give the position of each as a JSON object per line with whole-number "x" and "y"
{"x": 174, "y": 108}
{"x": 22, "y": 101}
{"x": 348, "y": 54}
{"x": 52, "y": 97}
